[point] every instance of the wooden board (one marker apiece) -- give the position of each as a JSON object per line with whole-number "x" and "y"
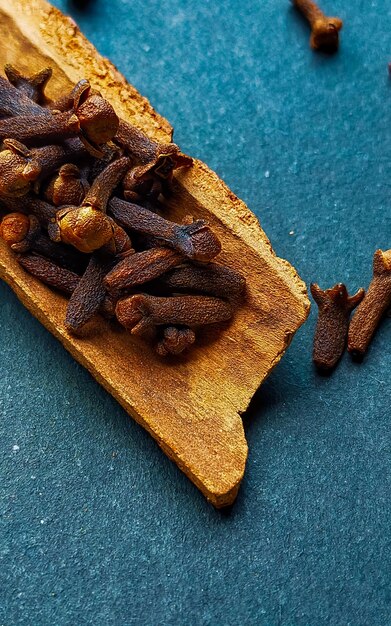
{"x": 191, "y": 407}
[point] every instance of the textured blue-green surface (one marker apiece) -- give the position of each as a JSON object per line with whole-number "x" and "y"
{"x": 97, "y": 526}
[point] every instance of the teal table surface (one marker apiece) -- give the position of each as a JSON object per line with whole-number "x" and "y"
{"x": 97, "y": 525}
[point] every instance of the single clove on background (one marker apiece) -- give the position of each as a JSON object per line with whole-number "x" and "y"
{"x": 374, "y": 306}
{"x": 324, "y": 29}
{"x": 335, "y": 306}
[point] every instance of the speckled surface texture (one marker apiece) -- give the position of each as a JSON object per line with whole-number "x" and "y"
{"x": 97, "y": 526}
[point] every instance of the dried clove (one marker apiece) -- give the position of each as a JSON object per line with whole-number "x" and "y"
{"x": 86, "y": 227}
{"x": 141, "y": 267}
{"x": 146, "y": 151}
{"x": 23, "y": 233}
{"x": 324, "y": 30}
{"x": 14, "y": 228}
{"x": 175, "y": 340}
{"x": 20, "y": 167}
{"x": 32, "y": 86}
{"x": 15, "y": 102}
{"x": 196, "y": 241}
{"x": 88, "y": 296}
{"x": 92, "y": 118}
{"x": 335, "y": 306}
{"x": 49, "y": 273}
{"x": 139, "y": 313}
{"x": 374, "y": 306}
{"x": 155, "y": 162}
{"x": 38, "y": 129}
{"x": 17, "y": 172}
{"x": 212, "y": 278}
{"x": 67, "y": 187}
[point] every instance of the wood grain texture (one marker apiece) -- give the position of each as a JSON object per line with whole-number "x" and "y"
{"x": 190, "y": 405}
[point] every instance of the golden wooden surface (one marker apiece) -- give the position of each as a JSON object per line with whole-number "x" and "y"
{"x": 191, "y": 406}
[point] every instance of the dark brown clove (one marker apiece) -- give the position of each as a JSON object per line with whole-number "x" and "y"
{"x": 92, "y": 119}
{"x": 144, "y": 150}
{"x": 67, "y": 102}
{"x": 14, "y": 228}
{"x": 324, "y": 30}
{"x": 23, "y": 233}
{"x": 152, "y": 160}
{"x": 67, "y": 187}
{"x": 59, "y": 278}
{"x": 98, "y": 120}
{"x": 140, "y": 313}
{"x": 49, "y": 273}
{"x": 17, "y": 172}
{"x": 141, "y": 267}
{"x": 32, "y": 86}
{"x": 15, "y": 102}
{"x": 20, "y": 167}
{"x": 86, "y": 227}
{"x": 335, "y": 307}
{"x": 88, "y": 296}
{"x": 175, "y": 340}
{"x": 37, "y": 129}
{"x": 104, "y": 184}
{"x": 213, "y": 279}
{"x": 195, "y": 241}
{"x": 375, "y": 305}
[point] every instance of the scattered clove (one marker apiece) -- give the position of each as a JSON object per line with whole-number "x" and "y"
{"x": 49, "y": 273}
{"x": 140, "y": 268}
{"x": 374, "y": 306}
{"x": 92, "y": 119}
{"x": 196, "y": 241}
{"x": 335, "y": 306}
{"x": 32, "y": 86}
{"x": 140, "y": 312}
{"x": 324, "y": 30}
{"x": 213, "y": 279}
{"x": 67, "y": 186}
{"x": 175, "y": 340}
{"x": 88, "y": 295}
{"x": 14, "y": 228}
{"x": 87, "y": 227}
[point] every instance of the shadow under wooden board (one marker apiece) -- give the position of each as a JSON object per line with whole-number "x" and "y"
{"x": 191, "y": 406}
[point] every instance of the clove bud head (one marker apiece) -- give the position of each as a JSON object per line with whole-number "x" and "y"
{"x": 97, "y": 119}
{"x": 67, "y": 187}
{"x": 84, "y": 228}
{"x": 175, "y": 341}
{"x": 17, "y": 171}
{"x": 197, "y": 241}
{"x": 14, "y": 228}
{"x": 325, "y": 33}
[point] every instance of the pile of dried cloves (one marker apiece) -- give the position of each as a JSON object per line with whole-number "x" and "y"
{"x": 81, "y": 198}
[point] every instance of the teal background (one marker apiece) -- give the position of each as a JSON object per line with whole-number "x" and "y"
{"x": 97, "y": 525}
